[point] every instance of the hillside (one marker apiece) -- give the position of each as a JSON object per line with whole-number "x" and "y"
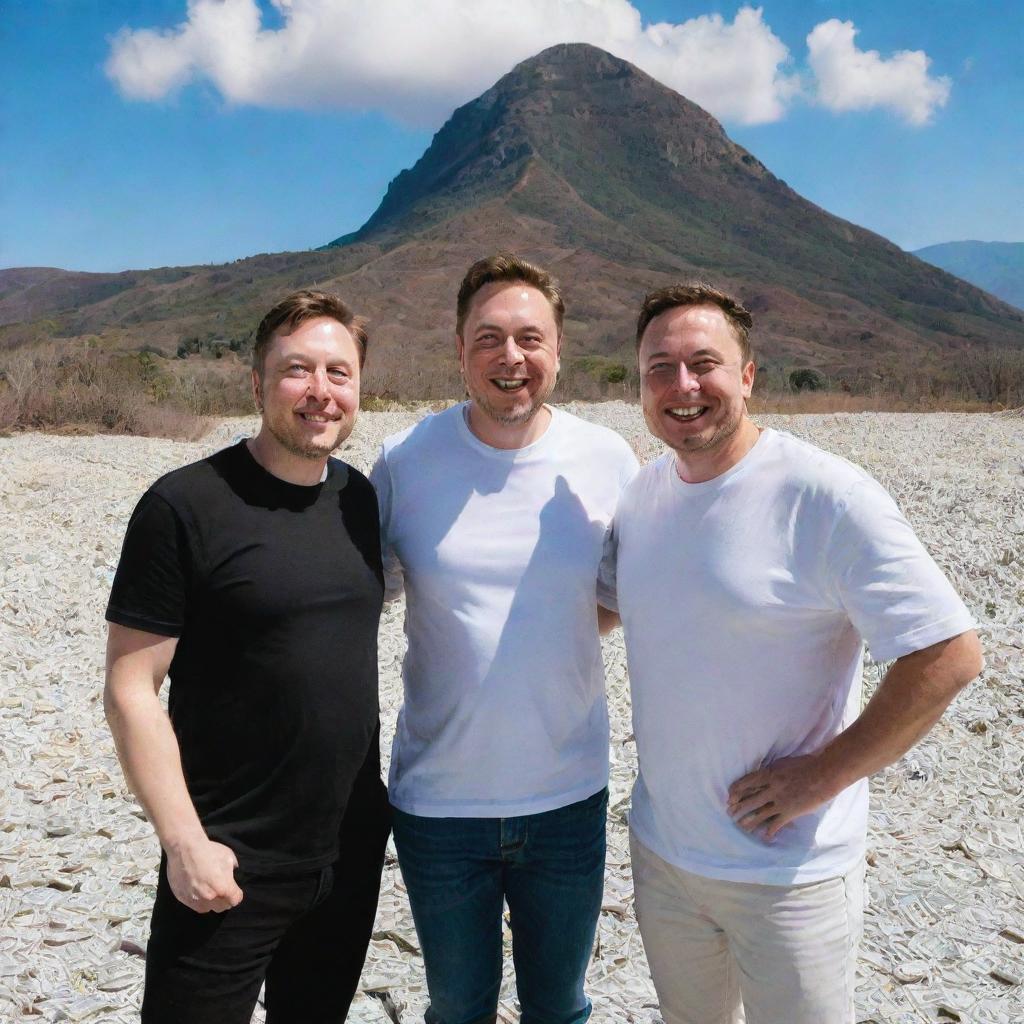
{"x": 587, "y": 165}
{"x": 998, "y": 267}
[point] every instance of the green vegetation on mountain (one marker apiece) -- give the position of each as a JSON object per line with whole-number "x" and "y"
{"x": 585, "y": 164}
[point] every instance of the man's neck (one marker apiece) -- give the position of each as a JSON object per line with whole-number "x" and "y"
{"x": 700, "y": 466}
{"x": 507, "y": 436}
{"x": 286, "y": 466}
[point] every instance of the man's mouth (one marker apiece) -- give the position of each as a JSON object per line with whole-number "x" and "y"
{"x": 505, "y": 384}
{"x": 686, "y": 413}
{"x": 316, "y": 417}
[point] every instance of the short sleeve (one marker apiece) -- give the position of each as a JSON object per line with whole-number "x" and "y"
{"x": 628, "y": 468}
{"x": 898, "y": 599}
{"x": 394, "y": 578}
{"x": 150, "y": 585}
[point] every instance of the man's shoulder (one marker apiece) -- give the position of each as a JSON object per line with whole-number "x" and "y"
{"x": 349, "y": 479}
{"x": 182, "y": 485}
{"x": 648, "y": 477}
{"x": 595, "y": 435}
{"x": 794, "y": 461}
{"x": 434, "y": 428}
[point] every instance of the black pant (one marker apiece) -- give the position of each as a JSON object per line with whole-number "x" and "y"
{"x": 306, "y": 935}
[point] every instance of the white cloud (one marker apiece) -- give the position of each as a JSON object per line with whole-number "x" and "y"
{"x": 416, "y": 60}
{"x": 850, "y": 79}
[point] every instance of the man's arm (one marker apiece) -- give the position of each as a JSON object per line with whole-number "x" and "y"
{"x": 200, "y": 872}
{"x": 910, "y": 699}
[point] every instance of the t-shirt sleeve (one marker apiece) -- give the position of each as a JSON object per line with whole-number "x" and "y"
{"x": 898, "y": 599}
{"x": 394, "y": 578}
{"x": 629, "y": 466}
{"x": 606, "y": 578}
{"x": 150, "y": 585}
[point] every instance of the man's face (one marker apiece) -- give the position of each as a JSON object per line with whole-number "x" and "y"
{"x": 693, "y": 383}
{"x": 508, "y": 351}
{"x": 309, "y": 392}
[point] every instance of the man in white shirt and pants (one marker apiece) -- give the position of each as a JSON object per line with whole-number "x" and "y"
{"x": 751, "y": 566}
{"x": 494, "y": 515}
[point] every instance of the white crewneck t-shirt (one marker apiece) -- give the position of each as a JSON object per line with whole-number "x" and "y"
{"x": 745, "y": 601}
{"x": 498, "y": 551}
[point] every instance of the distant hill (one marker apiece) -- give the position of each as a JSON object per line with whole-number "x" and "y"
{"x": 998, "y": 267}
{"x": 585, "y": 164}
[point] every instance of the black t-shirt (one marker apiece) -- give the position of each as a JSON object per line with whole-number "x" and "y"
{"x": 275, "y": 592}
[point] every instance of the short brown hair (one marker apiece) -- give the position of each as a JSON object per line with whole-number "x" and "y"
{"x": 297, "y": 308}
{"x": 506, "y": 266}
{"x": 697, "y": 293}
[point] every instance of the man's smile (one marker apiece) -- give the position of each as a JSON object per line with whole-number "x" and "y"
{"x": 686, "y": 412}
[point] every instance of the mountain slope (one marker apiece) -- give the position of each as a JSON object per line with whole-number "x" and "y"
{"x": 585, "y": 164}
{"x": 998, "y": 267}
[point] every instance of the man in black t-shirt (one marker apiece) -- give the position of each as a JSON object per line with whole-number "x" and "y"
{"x": 252, "y": 579}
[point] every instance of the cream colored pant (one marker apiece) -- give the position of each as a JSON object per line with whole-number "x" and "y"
{"x": 717, "y": 949}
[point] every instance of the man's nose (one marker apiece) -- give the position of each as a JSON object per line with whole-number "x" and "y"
{"x": 686, "y": 379}
{"x": 511, "y": 355}
{"x": 318, "y": 385}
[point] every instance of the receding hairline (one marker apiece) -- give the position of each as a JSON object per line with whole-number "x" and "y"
{"x": 499, "y": 286}
{"x": 508, "y": 269}
{"x": 690, "y": 307}
{"x": 694, "y": 295}
{"x": 301, "y": 307}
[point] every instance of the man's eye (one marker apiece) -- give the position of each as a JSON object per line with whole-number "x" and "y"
{"x": 659, "y": 367}
{"x": 296, "y": 369}
{"x": 337, "y": 373}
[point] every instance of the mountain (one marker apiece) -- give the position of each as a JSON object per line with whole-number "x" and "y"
{"x": 580, "y": 161}
{"x": 998, "y": 267}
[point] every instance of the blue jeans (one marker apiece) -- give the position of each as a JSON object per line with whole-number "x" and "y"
{"x": 548, "y": 868}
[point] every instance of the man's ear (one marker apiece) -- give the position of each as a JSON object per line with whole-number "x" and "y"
{"x": 460, "y": 349}
{"x": 748, "y": 378}
{"x": 257, "y": 395}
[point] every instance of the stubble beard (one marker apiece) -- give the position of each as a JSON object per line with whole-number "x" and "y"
{"x": 718, "y": 437}
{"x": 308, "y": 449}
{"x": 517, "y": 415}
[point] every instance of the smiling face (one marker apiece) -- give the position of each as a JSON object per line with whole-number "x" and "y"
{"x": 308, "y": 392}
{"x": 693, "y": 388}
{"x": 508, "y": 352}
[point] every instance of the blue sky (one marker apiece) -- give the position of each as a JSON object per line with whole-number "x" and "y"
{"x": 166, "y": 132}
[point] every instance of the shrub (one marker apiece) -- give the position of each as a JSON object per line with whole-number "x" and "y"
{"x": 806, "y": 380}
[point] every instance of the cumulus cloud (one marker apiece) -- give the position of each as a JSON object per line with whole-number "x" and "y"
{"x": 850, "y": 79}
{"x": 416, "y": 61}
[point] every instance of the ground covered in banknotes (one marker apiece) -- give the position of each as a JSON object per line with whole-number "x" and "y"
{"x": 944, "y": 937}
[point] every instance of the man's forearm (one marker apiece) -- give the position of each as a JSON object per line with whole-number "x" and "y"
{"x": 149, "y": 755}
{"x": 911, "y": 698}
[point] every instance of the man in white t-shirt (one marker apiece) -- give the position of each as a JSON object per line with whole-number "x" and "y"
{"x": 750, "y": 568}
{"x": 494, "y": 515}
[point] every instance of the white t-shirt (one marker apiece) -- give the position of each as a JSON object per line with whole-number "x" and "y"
{"x": 505, "y": 709}
{"x": 744, "y": 602}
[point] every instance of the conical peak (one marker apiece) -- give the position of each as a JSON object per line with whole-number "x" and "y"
{"x": 579, "y": 59}
{"x": 594, "y": 82}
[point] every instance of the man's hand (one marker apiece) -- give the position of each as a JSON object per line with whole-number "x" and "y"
{"x": 202, "y": 876}
{"x": 772, "y": 796}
